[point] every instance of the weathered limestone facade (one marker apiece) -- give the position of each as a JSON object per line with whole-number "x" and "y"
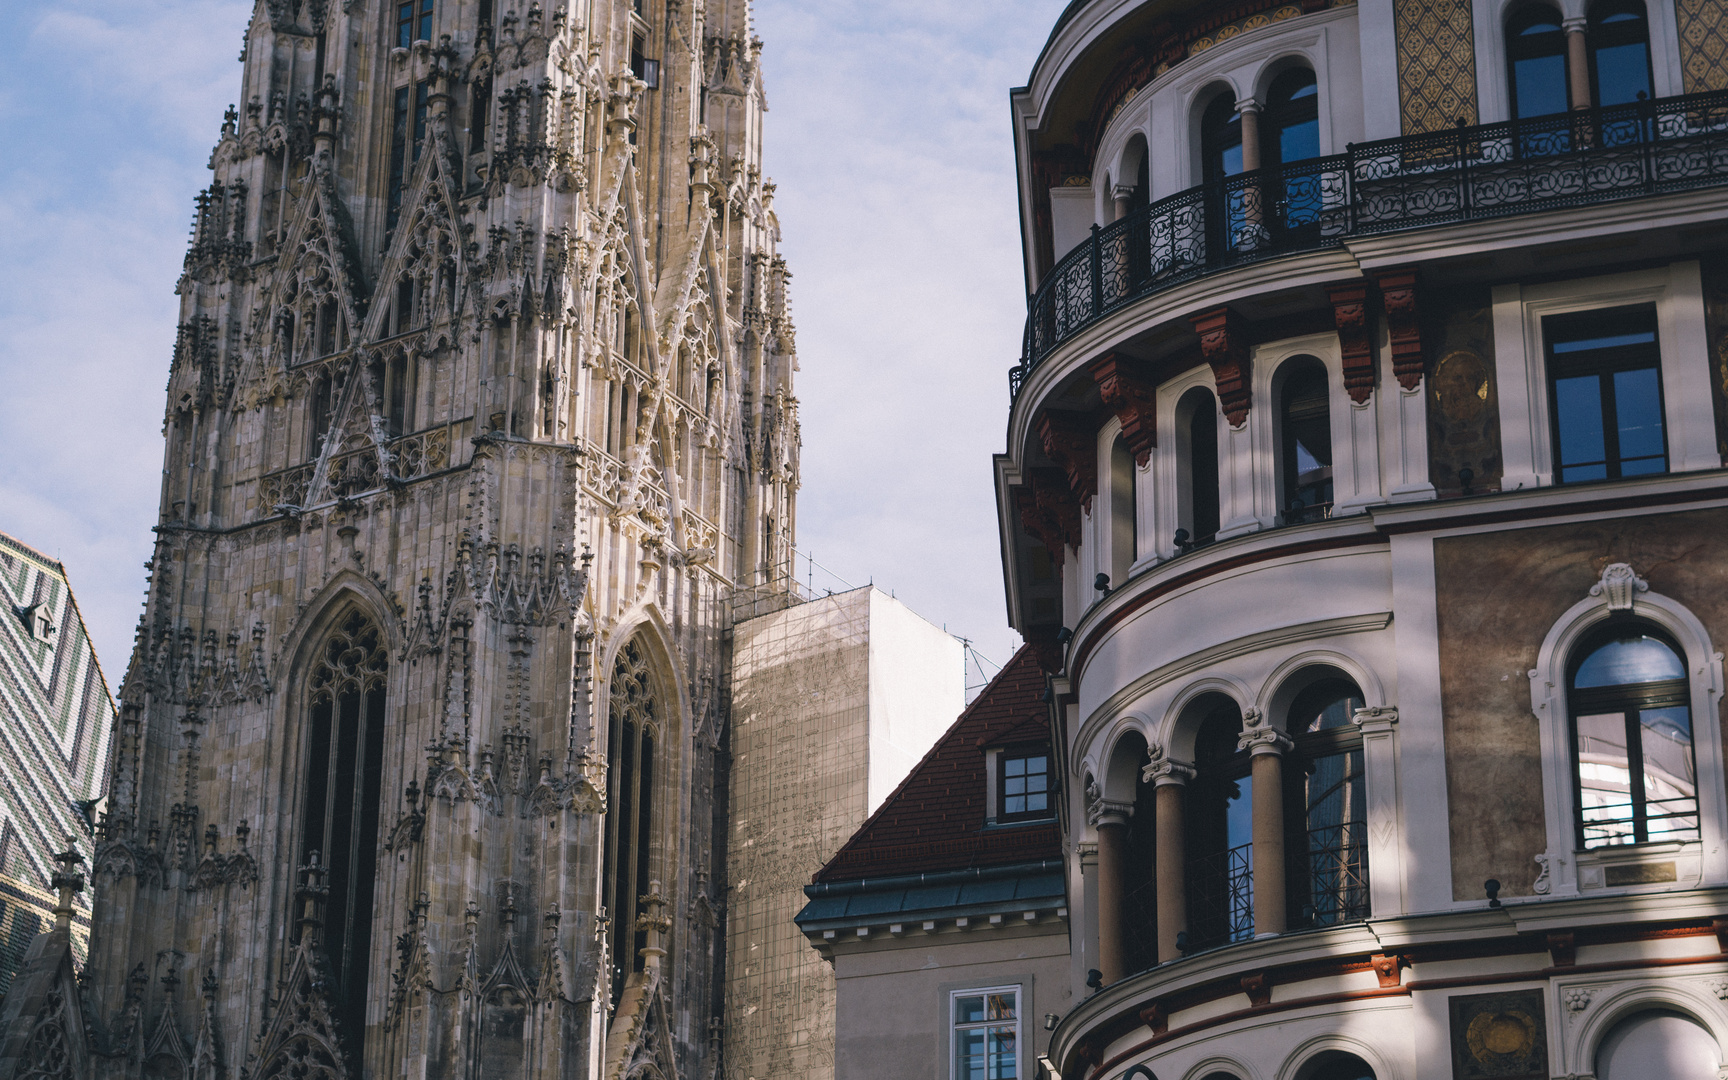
{"x": 480, "y": 419}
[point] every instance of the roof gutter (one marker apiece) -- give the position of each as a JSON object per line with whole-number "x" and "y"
{"x": 945, "y": 877}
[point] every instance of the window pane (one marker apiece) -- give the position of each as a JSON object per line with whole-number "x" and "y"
{"x": 1541, "y": 85}
{"x": 1014, "y": 766}
{"x": 1002, "y": 1063}
{"x": 968, "y": 1009}
{"x": 1604, "y": 780}
{"x": 969, "y": 1055}
{"x": 1638, "y": 406}
{"x": 1002, "y": 1006}
{"x": 1630, "y": 660}
{"x": 1670, "y": 782}
{"x": 1300, "y": 141}
{"x": 1622, "y": 73}
{"x": 1578, "y": 416}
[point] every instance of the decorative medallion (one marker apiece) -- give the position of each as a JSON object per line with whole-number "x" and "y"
{"x": 1499, "y": 1036}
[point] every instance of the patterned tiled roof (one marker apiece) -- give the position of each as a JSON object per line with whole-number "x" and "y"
{"x": 934, "y": 820}
{"x": 53, "y": 745}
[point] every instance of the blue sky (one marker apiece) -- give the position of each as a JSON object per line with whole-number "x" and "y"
{"x": 887, "y": 135}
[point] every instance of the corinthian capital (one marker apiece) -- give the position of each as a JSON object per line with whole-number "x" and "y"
{"x": 1160, "y": 768}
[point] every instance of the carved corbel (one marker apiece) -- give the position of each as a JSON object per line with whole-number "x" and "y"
{"x": 1350, "y": 316}
{"x": 1048, "y": 512}
{"x": 1224, "y": 344}
{"x": 1398, "y": 299}
{"x": 1070, "y": 441}
{"x": 1134, "y": 402}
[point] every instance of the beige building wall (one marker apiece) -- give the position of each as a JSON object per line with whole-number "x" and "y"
{"x": 895, "y": 996}
{"x": 833, "y": 702}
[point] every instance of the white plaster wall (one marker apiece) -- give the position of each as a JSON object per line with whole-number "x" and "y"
{"x": 1071, "y": 216}
{"x": 917, "y": 689}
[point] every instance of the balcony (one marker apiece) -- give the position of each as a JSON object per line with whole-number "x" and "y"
{"x": 1468, "y": 174}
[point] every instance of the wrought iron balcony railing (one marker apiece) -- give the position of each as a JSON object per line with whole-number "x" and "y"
{"x": 1336, "y": 873}
{"x": 1220, "y": 898}
{"x": 1525, "y": 166}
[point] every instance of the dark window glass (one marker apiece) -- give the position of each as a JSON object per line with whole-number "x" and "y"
{"x": 1305, "y": 419}
{"x": 340, "y": 804}
{"x": 633, "y": 720}
{"x": 1221, "y": 138}
{"x": 1338, "y": 1065}
{"x": 1023, "y": 785}
{"x": 1619, "y": 39}
{"x": 1606, "y": 394}
{"x": 1536, "y": 54}
{"x": 1220, "y": 806}
{"x": 1198, "y": 482}
{"x": 1326, "y": 800}
{"x": 1290, "y": 128}
{"x": 1632, "y": 739}
{"x": 413, "y": 22}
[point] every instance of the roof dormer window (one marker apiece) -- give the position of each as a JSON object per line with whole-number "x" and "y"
{"x": 1023, "y": 784}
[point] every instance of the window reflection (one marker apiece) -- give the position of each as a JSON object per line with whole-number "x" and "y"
{"x": 986, "y": 1026}
{"x": 1606, "y": 388}
{"x": 1636, "y": 771}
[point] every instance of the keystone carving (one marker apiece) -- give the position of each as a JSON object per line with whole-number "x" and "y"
{"x": 1619, "y": 586}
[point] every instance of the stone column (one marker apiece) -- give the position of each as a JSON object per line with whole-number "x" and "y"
{"x": 1110, "y": 818}
{"x": 1267, "y": 745}
{"x": 1121, "y": 195}
{"x": 1170, "y": 776}
{"x": 1250, "y": 112}
{"x": 1577, "y": 63}
{"x": 1253, "y": 213}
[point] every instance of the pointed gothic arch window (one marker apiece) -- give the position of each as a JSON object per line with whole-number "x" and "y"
{"x": 633, "y": 732}
{"x": 345, "y": 692}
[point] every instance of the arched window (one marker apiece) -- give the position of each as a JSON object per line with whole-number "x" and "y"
{"x": 1196, "y": 469}
{"x": 1536, "y": 61}
{"x": 1290, "y": 122}
{"x": 1619, "y": 40}
{"x": 1632, "y": 737}
{"x": 1290, "y": 132}
{"x": 1122, "y": 477}
{"x": 339, "y": 804}
{"x": 633, "y": 727}
{"x": 399, "y": 395}
{"x": 1220, "y": 821}
{"x": 1305, "y": 441}
{"x": 1220, "y": 138}
{"x": 327, "y": 320}
{"x": 1335, "y": 1065}
{"x": 1326, "y": 806}
{"x": 318, "y": 416}
{"x": 1657, "y": 1045}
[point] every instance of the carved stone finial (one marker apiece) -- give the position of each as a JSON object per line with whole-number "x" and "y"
{"x": 312, "y": 893}
{"x": 69, "y": 882}
{"x": 1619, "y": 586}
{"x": 654, "y": 923}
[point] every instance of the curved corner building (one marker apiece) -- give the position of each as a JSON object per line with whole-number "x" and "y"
{"x": 1364, "y": 487}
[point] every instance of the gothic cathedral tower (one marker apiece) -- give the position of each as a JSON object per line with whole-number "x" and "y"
{"x": 480, "y": 426}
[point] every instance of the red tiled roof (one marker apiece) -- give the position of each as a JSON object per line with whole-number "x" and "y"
{"x": 935, "y": 819}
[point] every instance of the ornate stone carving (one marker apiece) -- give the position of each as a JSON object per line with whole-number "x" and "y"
{"x": 1134, "y": 401}
{"x": 1619, "y": 586}
{"x": 1070, "y": 441}
{"x": 1160, "y": 768}
{"x": 1403, "y": 325}
{"x": 1350, "y": 316}
{"x": 1224, "y": 344}
{"x": 1375, "y": 719}
{"x": 1259, "y": 736}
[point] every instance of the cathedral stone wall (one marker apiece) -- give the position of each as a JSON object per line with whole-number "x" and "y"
{"x": 480, "y": 412}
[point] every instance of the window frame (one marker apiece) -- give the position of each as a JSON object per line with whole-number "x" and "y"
{"x": 1567, "y": 870}
{"x": 999, "y": 773}
{"x": 1604, "y": 363}
{"x": 955, "y": 1027}
{"x": 1521, "y": 366}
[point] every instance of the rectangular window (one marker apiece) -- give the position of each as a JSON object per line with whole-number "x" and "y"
{"x": 1023, "y": 785}
{"x": 986, "y": 1026}
{"x": 1605, "y": 390}
{"x": 413, "y": 22}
